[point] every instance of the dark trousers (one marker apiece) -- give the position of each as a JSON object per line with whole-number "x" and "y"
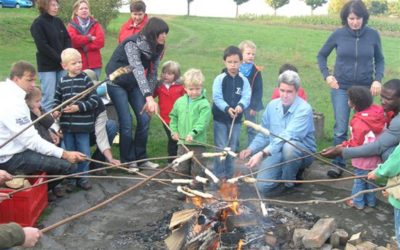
{"x": 172, "y": 146}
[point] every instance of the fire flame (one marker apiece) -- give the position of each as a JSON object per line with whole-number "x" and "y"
{"x": 197, "y": 201}
{"x": 240, "y": 244}
{"x": 230, "y": 191}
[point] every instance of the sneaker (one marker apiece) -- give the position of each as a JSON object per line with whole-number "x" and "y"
{"x": 59, "y": 192}
{"x": 149, "y": 164}
{"x": 85, "y": 185}
{"x": 277, "y": 191}
{"x": 351, "y": 204}
{"x": 334, "y": 173}
{"x": 133, "y": 168}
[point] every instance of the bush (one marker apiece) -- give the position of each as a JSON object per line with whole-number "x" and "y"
{"x": 103, "y": 10}
{"x": 378, "y": 7}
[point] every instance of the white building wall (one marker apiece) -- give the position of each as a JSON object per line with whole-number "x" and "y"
{"x": 227, "y": 8}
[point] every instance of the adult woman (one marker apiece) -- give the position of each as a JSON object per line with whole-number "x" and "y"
{"x": 359, "y": 61}
{"x": 136, "y": 22}
{"x": 87, "y": 36}
{"x": 51, "y": 38}
{"x": 142, "y": 52}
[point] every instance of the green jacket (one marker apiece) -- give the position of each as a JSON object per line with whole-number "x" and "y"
{"x": 11, "y": 235}
{"x": 191, "y": 117}
{"x": 390, "y": 168}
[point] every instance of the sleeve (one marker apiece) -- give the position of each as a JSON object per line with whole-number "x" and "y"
{"x": 67, "y": 38}
{"x": 358, "y": 132}
{"x": 42, "y": 44}
{"x": 203, "y": 120}
{"x": 173, "y": 115}
{"x": 58, "y": 94}
{"x": 256, "y": 93}
{"x": 101, "y": 131}
{"x": 379, "y": 60}
{"x": 296, "y": 129}
{"x": 47, "y": 121}
{"x": 246, "y": 94}
{"x": 133, "y": 53}
{"x": 391, "y": 167}
{"x": 91, "y": 102}
{"x": 98, "y": 43}
{"x": 11, "y": 235}
{"x": 78, "y": 40}
{"x": 261, "y": 140}
{"x": 390, "y": 137}
{"x": 323, "y": 54}
{"x": 218, "y": 97}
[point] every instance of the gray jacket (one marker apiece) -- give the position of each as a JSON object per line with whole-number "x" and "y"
{"x": 383, "y": 146}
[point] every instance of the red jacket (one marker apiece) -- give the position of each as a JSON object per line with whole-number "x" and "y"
{"x": 365, "y": 126}
{"x": 127, "y": 29}
{"x": 90, "y": 50}
{"x": 167, "y": 98}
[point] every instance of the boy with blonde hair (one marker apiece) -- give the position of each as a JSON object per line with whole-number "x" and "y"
{"x": 190, "y": 117}
{"x": 77, "y": 118}
{"x": 253, "y": 74}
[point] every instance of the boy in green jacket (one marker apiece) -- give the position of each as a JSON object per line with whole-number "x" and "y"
{"x": 190, "y": 118}
{"x": 391, "y": 169}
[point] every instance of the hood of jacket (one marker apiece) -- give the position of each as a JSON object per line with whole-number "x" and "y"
{"x": 374, "y": 117}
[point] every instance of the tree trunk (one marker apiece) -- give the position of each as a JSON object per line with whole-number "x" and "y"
{"x": 188, "y": 8}
{"x": 237, "y": 10}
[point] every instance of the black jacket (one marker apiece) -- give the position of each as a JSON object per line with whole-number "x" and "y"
{"x": 51, "y": 38}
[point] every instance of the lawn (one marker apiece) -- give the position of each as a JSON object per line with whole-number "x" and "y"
{"x": 199, "y": 43}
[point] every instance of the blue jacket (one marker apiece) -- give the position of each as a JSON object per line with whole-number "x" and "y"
{"x": 229, "y": 92}
{"x": 359, "y": 58}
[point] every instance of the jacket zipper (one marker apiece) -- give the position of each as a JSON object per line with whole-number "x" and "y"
{"x": 356, "y": 62}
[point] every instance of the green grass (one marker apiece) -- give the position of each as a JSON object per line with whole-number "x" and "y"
{"x": 199, "y": 43}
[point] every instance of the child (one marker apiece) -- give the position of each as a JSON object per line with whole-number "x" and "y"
{"x": 136, "y": 22}
{"x": 367, "y": 122}
{"x": 33, "y": 100}
{"x": 190, "y": 117}
{"x": 168, "y": 91}
{"x": 231, "y": 95}
{"x": 77, "y": 118}
{"x": 253, "y": 74}
{"x": 301, "y": 92}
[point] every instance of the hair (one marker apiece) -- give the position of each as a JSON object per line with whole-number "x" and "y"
{"x": 247, "y": 44}
{"x": 43, "y": 5}
{"x": 358, "y": 8}
{"x": 287, "y": 66}
{"x": 137, "y": 6}
{"x": 233, "y": 50}
{"x": 193, "y": 77}
{"x": 154, "y": 27}
{"x": 35, "y": 93}
{"x": 172, "y": 67}
{"x": 19, "y": 68}
{"x": 291, "y": 78}
{"x": 360, "y": 97}
{"x": 393, "y": 84}
{"x": 68, "y": 54}
{"x": 76, "y": 5}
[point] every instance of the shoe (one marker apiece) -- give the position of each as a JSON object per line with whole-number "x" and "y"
{"x": 334, "y": 173}
{"x": 59, "y": 192}
{"x": 350, "y": 203}
{"x": 85, "y": 185}
{"x": 51, "y": 197}
{"x": 277, "y": 191}
{"x": 149, "y": 164}
{"x": 133, "y": 168}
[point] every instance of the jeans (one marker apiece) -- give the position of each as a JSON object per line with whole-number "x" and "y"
{"x": 251, "y": 132}
{"x": 79, "y": 142}
{"x": 48, "y": 84}
{"x": 30, "y": 162}
{"x": 287, "y": 171}
{"x": 131, "y": 148}
{"x": 224, "y": 169}
{"x": 341, "y": 112}
{"x": 397, "y": 224}
{"x": 112, "y": 130}
{"x": 172, "y": 145}
{"x": 360, "y": 185}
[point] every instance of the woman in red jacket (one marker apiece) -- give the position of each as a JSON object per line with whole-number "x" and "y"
{"x": 87, "y": 36}
{"x": 136, "y": 22}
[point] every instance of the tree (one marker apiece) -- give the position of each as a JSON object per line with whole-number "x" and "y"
{"x": 103, "y": 10}
{"x": 276, "y": 4}
{"x": 335, "y": 6}
{"x": 378, "y": 7}
{"x": 188, "y": 6}
{"x": 239, "y": 2}
{"x": 315, "y": 4}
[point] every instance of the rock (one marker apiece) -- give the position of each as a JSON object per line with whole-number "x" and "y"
{"x": 319, "y": 233}
{"x": 339, "y": 237}
{"x": 350, "y": 247}
{"x": 355, "y": 239}
{"x": 326, "y": 247}
{"x": 366, "y": 245}
{"x": 381, "y": 248}
{"x": 298, "y": 235}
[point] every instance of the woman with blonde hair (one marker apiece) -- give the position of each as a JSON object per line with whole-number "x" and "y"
{"x": 87, "y": 36}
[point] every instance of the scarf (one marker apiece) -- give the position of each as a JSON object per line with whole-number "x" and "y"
{"x": 84, "y": 23}
{"x": 245, "y": 69}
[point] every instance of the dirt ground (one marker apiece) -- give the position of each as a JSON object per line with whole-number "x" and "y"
{"x": 139, "y": 220}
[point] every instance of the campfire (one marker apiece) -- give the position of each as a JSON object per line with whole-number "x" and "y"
{"x": 224, "y": 223}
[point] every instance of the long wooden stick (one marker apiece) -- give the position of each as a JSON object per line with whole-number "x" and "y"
{"x": 113, "y": 76}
